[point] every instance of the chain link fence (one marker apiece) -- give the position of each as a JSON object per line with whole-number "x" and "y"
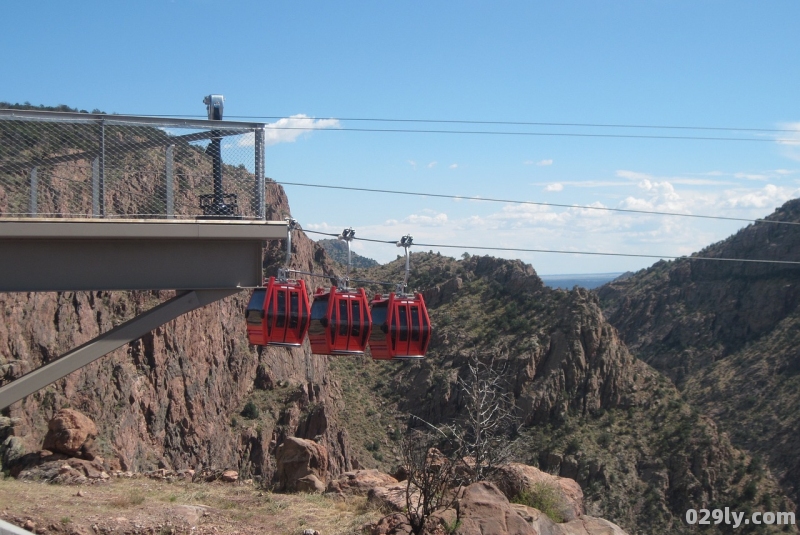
{"x": 55, "y": 164}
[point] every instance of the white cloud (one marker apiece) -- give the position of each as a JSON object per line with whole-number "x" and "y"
{"x": 437, "y": 220}
{"x": 790, "y": 140}
{"x": 288, "y": 129}
{"x": 453, "y": 166}
{"x": 432, "y": 165}
{"x": 751, "y": 176}
{"x": 767, "y": 197}
{"x": 413, "y": 164}
{"x": 632, "y": 175}
{"x": 554, "y": 187}
{"x": 528, "y": 162}
{"x": 544, "y": 162}
{"x": 635, "y": 175}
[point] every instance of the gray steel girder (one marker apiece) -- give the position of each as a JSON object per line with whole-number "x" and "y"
{"x": 105, "y": 343}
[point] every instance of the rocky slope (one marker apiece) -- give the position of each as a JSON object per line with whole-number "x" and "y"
{"x": 172, "y": 398}
{"x": 337, "y": 250}
{"x": 727, "y": 334}
{"x": 590, "y": 410}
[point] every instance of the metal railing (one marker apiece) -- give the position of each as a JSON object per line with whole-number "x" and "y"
{"x": 55, "y": 164}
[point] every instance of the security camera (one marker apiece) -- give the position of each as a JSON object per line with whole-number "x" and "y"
{"x": 214, "y": 105}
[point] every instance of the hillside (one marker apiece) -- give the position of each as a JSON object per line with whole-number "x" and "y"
{"x": 175, "y": 399}
{"x": 591, "y": 411}
{"x": 337, "y": 251}
{"x": 727, "y": 334}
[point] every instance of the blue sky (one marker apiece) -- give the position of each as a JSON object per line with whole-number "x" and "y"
{"x": 708, "y": 63}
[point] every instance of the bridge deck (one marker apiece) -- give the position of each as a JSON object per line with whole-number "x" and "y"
{"x": 44, "y": 255}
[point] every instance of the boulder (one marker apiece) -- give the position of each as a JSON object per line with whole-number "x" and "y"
{"x": 359, "y": 482}
{"x": 230, "y": 476}
{"x": 515, "y": 478}
{"x": 585, "y": 525}
{"x": 589, "y": 525}
{"x": 310, "y": 483}
{"x": 297, "y": 458}
{"x": 483, "y": 509}
{"x": 394, "y": 524}
{"x": 70, "y": 432}
{"x": 391, "y": 497}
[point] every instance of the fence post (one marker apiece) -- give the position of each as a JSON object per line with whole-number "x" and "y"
{"x": 33, "y": 206}
{"x": 102, "y": 171}
{"x": 170, "y": 193}
{"x": 96, "y": 187}
{"x": 258, "y": 194}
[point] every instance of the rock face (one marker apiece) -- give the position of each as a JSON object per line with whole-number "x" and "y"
{"x": 727, "y": 334}
{"x": 169, "y": 400}
{"x": 297, "y": 458}
{"x": 515, "y": 478}
{"x": 484, "y": 510}
{"x": 360, "y": 482}
{"x": 70, "y": 432}
{"x": 592, "y": 412}
{"x": 392, "y": 497}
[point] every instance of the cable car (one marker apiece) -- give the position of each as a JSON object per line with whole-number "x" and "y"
{"x": 278, "y": 315}
{"x": 401, "y": 328}
{"x": 340, "y": 322}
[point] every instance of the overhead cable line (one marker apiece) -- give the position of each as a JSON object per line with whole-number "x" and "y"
{"x": 535, "y": 203}
{"x": 526, "y": 123}
{"x": 593, "y": 253}
{"x": 538, "y": 134}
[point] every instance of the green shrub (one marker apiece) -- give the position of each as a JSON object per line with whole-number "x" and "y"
{"x": 250, "y": 411}
{"x": 546, "y": 498}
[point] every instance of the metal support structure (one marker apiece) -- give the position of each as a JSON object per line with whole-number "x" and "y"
{"x": 91, "y": 254}
{"x": 283, "y": 273}
{"x": 405, "y": 242}
{"x": 105, "y": 343}
{"x": 96, "y": 187}
{"x": 33, "y": 205}
{"x": 347, "y": 236}
{"x": 169, "y": 157}
{"x": 101, "y": 168}
{"x": 258, "y": 195}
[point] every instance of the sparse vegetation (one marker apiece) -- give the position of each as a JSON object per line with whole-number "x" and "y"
{"x": 544, "y": 497}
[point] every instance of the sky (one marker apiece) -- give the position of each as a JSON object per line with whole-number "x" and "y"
{"x": 663, "y": 63}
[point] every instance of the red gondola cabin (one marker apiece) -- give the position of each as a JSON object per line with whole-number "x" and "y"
{"x": 340, "y": 322}
{"x": 278, "y": 315}
{"x": 401, "y": 328}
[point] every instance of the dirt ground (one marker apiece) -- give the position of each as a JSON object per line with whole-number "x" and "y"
{"x": 151, "y": 507}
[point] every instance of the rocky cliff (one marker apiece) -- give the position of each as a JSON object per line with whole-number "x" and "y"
{"x": 591, "y": 411}
{"x": 172, "y": 399}
{"x": 727, "y": 334}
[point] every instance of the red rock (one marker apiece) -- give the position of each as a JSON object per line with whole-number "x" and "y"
{"x": 230, "y": 476}
{"x": 514, "y": 478}
{"x": 359, "y": 482}
{"x": 68, "y": 432}
{"x": 297, "y": 458}
{"x": 484, "y": 509}
{"x": 310, "y": 483}
{"x": 392, "y": 497}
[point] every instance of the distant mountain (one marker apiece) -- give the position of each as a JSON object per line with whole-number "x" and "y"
{"x": 337, "y": 250}
{"x": 728, "y": 335}
{"x": 584, "y": 280}
{"x": 591, "y": 410}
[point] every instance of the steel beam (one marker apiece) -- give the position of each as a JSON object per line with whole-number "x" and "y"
{"x": 76, "y": 255}
{"x": 105, "y": 343}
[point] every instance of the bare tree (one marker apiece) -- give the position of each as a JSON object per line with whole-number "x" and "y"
{"x": 432, "y": 478}
{"x": 474, "y": 445}
{"x": 490, "y": 423}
